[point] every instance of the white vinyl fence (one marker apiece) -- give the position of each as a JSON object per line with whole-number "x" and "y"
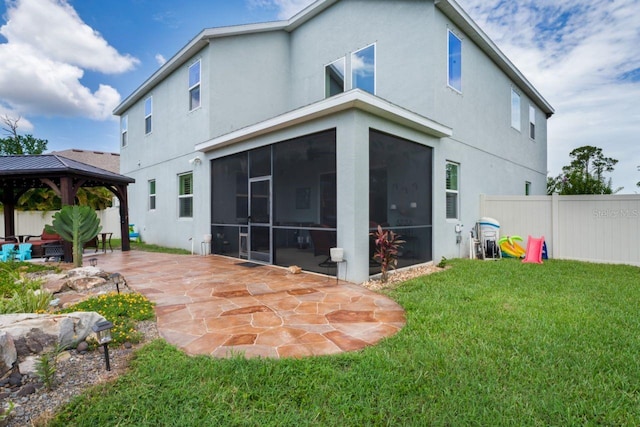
{"x": 32, "y": 223}
{"x": 597, "y": 228}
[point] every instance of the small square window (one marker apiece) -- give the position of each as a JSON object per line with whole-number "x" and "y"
{"x": 452, "y": 191}
{"x": 334, "y": 77}
{"x": 124, "y": 124}
{"x": 515, "y": 110}
{"x": 148, "y": 112}
{"x": 532, "y": 122}
{"x": 194, "y": 86}
{"x": 363, "y": 69}
{"x": 152, "y": 194}
{"x": 454, "y": 65}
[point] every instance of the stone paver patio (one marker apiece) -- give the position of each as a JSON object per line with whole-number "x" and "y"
{"x": 214, "y": 305}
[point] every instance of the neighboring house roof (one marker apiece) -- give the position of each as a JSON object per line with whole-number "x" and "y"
{"x": 103, "y": 160}
{"x": 355, "y": 98}
{"x": 449, "y": 7}
{"x": 33, "y": 167}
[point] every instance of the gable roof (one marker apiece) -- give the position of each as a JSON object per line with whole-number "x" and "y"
{"x": 100, "y": 159}
{"x": 449, "y": 7}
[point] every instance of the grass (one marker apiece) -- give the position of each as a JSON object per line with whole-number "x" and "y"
{"x": 141, "y": 246}
{"x": 486, "y": 343}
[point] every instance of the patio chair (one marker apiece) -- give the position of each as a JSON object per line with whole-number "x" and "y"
{"x": 8, "y": 251}
{"x": 24, "y": 252}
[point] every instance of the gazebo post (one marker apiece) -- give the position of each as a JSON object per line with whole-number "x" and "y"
{"x": 67, "y": 196}
{"x": 9, "y": 208}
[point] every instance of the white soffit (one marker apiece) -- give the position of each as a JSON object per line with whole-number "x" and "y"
{"x": 353, "y": 99}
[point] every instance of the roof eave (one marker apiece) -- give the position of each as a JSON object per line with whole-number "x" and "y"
{"x": 354, "y": 99}
{"x": 459, "y": 17}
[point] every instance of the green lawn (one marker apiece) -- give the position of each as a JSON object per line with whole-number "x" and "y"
{"x": 486, "y": 343}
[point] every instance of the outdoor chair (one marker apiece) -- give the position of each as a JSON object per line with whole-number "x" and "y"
{"x": 24, "y": 252}
{"x": 8, "y": 251}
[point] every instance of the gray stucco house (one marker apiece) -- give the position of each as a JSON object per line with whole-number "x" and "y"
{"x": 283, "y": 139}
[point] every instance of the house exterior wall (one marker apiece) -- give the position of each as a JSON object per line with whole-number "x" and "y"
{"x": 249, "y": 78}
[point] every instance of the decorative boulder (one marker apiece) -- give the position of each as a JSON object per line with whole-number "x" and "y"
{"x": 8, "y": 354}
{"x": 33, "y": 333}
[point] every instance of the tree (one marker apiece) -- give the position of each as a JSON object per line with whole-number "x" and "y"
{"x": 585, "y": 174}
{"x": 14, "y": 143}
{"x": 44, "y": 199}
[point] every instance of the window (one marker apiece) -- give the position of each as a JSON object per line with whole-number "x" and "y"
{"x": 515, "y": 110}
{"x": 527, "y": 188}
{"x": 454, "y": 68}
{"x": 185, "y": 196}
{"x": 452, "y": 190}
{"x": 148, "y": 111}
{"x": 363, "y": 69}
{"x": 194, "y": 86}
{"x": 152, "y": 195}
{"x": 123, "y": 130}
{"x": 532, "y": 122}
{"x": 334, "y": 77}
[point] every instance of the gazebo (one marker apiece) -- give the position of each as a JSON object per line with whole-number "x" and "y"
{"x": 64, "y": 176}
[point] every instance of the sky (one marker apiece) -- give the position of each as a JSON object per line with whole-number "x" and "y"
{"x": 65, "y": 64}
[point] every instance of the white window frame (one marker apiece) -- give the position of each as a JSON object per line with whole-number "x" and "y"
{"x": 516, "y": 115}
{"x": 185, "y": 196}
{"x": 375, "y": 67}
{"x": 453, "y": 191}
{"x": 124, "y": 130}
{"x": 148, "y": 116}
{"x": 152, "y": 194}
{"x": 449, "y": 34}
{"x": 196, "y": 85}
{"x": 532, "y": 122}
{"x": 327, "y": 81}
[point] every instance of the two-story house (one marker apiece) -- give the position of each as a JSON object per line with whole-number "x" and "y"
{"x": 284, "y": 139}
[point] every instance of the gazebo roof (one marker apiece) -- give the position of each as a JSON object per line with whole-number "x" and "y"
{"x": 27, "y": 170}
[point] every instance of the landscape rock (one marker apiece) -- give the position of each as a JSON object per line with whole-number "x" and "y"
{"x": 26, "y": 390}
{"x": 82, "y": 347}
{"x": 87, "y": 272}
{"x": 83, "y": 283}
{"x": 28, "y": 365}
{"x": 8, "y": 353}
{"x": 32, "y": 332}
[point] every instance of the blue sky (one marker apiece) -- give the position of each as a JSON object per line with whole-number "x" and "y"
{"x": 64, "y": 64}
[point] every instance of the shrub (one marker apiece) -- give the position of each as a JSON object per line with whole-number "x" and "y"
{"x": 387, "y": 245}
{"x": 120, "y": 309}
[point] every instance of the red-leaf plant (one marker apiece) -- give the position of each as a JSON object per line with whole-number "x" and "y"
{"x": 387, "y": 245}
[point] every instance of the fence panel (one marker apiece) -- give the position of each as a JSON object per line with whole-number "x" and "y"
{"x": 597, "y": 228}
{"x": 32, "y": 222}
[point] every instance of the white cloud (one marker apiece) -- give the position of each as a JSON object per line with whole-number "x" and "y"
{"x": 577, "y": 53}
{"x": 160, "y": 59}
{"x": 286, "y": 8}
{"x": 47, "y": 50}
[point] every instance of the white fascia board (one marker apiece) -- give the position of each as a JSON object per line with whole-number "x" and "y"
{"x": 353, "y": 99}
{"x": 459, "y": 17}
{"x": 202, "y": 39}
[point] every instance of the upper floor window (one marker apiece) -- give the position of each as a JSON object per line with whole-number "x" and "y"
{"x": 124, "y": 126}
{"x": 452, "y": 190}
{"x": 334, "y": 77}
{"x": 454, "y": 68}
{"x": 532, "y": 122}
{"x": 527, "y": 188}
{"x": 152, "y": 194}
{"x": 185, "y": 195}
{"x": 363, "y": 69}
{"x": 148, "y": 112}
{"x": 194, "y": 86}
{"x": 515, "y": 110}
